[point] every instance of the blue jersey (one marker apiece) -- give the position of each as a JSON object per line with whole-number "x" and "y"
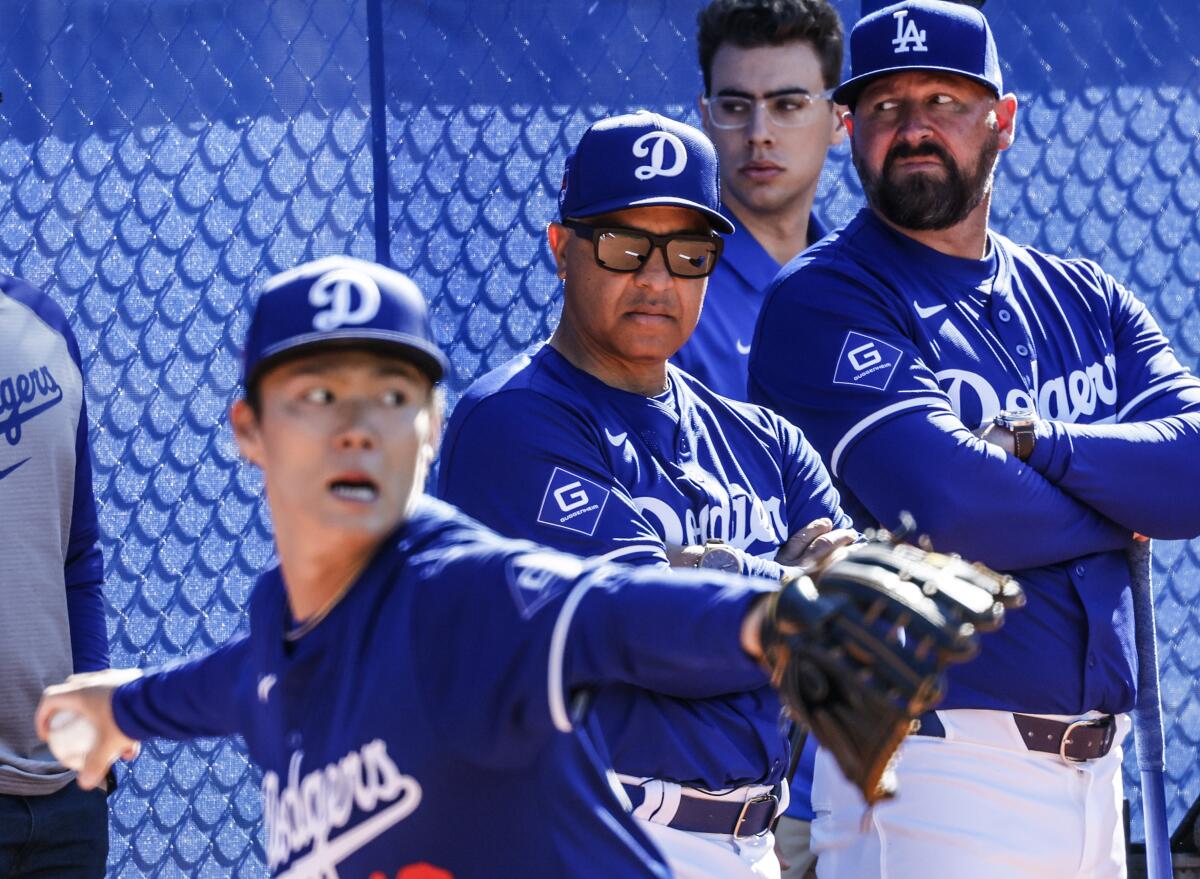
{"x": 542, "y": 450}
{"x": 889, "y": 354}
{"x": 717, "y": 353}
{"x": 426, "y": 719}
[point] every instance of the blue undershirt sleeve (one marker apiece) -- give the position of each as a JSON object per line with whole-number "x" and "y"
{"x": 84, "y": 564}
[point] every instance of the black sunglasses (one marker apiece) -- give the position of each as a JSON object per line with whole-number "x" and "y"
{"x": 620, "y": 249}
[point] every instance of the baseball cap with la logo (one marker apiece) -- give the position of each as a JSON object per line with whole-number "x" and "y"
{"x": 640, "y": 160}
{"x": 934, "y": 35}
{"x": 341, "y": 302}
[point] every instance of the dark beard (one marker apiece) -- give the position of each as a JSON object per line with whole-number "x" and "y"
{"x": 922, "y": 202}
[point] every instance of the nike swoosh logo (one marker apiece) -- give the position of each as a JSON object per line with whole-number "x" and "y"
{"x": 617, "y": 440}
{"x": 9, "y": 470}
{"x": 322, "y": 861}
{"x": 742, "y": 349}
{"x": 928, "y": 312}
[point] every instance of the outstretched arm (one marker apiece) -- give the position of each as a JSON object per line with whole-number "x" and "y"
{"x": 197, "y": 698}
{"x": 89, "y": 696}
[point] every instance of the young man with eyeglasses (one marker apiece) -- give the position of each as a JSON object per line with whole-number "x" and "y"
{"x": 594, "y": 444}
{"x": 768, "y": 66}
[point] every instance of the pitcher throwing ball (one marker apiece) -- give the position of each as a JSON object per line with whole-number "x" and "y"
{"x": 408, "y": 680}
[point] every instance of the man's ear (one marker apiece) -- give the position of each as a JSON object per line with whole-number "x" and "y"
{"x": 848, "y": 123}
{"x": 246, "y": 431}
{"x": 558, "y": 236}
{"x": 437, "y": 419}
{"x": 1006, "y": 120}
{"x": 435, "y": 410}
{"x": 840, "y": 129}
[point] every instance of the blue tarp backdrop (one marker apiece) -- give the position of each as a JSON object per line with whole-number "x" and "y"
{"x": 160, "y": 158}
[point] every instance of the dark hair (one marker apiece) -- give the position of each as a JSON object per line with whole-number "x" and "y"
{"x": 752, "y": 24}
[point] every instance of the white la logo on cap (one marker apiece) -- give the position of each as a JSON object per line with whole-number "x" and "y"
{"x": 335, "y": 291}
{"x": 652, "y": 144}
{"x": 908, "y": 38}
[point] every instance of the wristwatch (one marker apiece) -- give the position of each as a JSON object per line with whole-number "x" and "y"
{"x": 720, "y": 556}
{"x": 1020, "y": 423}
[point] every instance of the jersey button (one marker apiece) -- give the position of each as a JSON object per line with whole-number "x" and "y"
{"x": 1022, "y": 350}
{"x": 1080, "y": 570}
{"x": 1004, "y": 315}
{"x": 1091, "y": 660}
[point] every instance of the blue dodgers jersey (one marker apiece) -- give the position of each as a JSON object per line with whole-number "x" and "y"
{"x": 717, "y": 353}
{"x": 871, "y": 325}
{"x": 539, "y": 449}
{"x": 425, "y": 720}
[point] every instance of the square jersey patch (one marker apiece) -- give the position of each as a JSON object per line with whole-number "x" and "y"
{"x": 572, "y": 502}
{"x": 866, "y": 362}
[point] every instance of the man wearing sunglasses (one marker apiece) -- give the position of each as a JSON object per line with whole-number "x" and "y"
{"x": 768, "y": 68}
{"x": 594, "y": 444}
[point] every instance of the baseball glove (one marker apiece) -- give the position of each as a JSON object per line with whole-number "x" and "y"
{"x": 858, "y": 651}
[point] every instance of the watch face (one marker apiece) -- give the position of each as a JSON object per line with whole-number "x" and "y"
{"x": 1012, "y": 418}
{"x": 721, "y": 558}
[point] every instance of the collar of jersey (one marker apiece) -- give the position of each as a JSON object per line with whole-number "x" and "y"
{"x": 746, "y": 258}
{"x": 277, "y": 614}
{"x": 639, "y": 412}
{"x": 969, "y": 272}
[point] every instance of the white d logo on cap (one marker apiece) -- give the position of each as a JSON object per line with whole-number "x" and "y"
{"x": 653, "y": 144}
{"x": 335, "y": 291}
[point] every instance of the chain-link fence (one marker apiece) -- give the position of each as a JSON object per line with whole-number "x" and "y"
{"x": 159, "y": 158}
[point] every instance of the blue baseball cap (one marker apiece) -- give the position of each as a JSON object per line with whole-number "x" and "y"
{"x": 340, "y": 301}
{"x": 869, "y": 6}
{"x": 641, "y": 160}
{"x": 935, "y": 35}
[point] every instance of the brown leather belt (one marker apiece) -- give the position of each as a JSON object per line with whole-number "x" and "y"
{"x": 1074, "y": 741}
{"x": 699, "y": 815}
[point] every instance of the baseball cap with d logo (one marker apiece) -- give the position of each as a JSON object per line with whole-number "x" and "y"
{"x": 340, "y": 301}
{"x": 640, "y": 160}
{"x": 934, "y": 35}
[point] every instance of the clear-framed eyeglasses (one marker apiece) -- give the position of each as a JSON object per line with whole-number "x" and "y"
{"x": 792, "y": 110}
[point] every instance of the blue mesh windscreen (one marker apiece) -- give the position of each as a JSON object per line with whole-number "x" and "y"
{"x": 160, "y": 158}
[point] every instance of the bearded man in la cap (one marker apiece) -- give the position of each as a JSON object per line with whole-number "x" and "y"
{"x": 1030, "y": 413}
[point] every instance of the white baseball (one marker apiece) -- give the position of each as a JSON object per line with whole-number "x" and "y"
{"x": 72, "y": 737}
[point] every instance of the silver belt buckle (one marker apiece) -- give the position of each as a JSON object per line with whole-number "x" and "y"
{"x": 1065, "y": 740}
{"x": 761, "y": 798}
